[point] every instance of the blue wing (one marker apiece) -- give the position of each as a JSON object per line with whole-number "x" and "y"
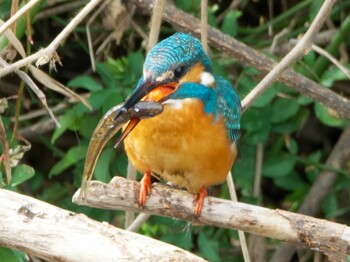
{"x": 229, "y": 105}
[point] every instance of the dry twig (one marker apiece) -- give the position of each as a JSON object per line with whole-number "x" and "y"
{"x": 156, "y": 21}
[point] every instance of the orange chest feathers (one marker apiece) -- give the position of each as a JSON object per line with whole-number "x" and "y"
{"x": 183, "y": 145}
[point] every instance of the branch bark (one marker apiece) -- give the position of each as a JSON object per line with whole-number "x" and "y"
{"x": 250, "y": 57}
{"x": 55, "y": 234}
{"x": 121, "y": 194}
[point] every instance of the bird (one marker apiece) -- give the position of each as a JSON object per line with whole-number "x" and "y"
{"x": 194, "y": 142}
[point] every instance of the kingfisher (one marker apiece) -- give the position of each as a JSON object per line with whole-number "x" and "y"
{"x": 193, "y": 143}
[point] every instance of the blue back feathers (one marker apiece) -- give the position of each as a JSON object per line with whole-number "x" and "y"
{"x": 183, "y": 50}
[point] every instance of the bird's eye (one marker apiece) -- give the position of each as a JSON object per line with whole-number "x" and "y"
{"x": 179, "y": 71}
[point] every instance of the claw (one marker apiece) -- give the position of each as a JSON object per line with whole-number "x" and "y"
{"x": 199, "y": 199}
{"x": 145, "y": 188}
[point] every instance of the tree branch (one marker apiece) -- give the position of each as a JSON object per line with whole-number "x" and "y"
{"x": 121, "y": 194}
{"x": 55, "y": 234}
{"x": 250, "y": 57}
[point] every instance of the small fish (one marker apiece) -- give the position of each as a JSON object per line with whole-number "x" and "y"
{"x": 108, "y": 126}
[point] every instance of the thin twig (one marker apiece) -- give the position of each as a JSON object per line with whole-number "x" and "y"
{"x": 258, "y": 170}
{"x": 257, "y": 244}
{"x": 331, "y": 58}
{"x": 242, "y": 238}
{"x": 137, "y": 223}
{"x": 204, "y": 25}
{"x": 88, "y": 34}
{"x": 156, "y": 21}
{"x": 50, "y": 49}
{"x": 129, "y": 215}
{"x": 5, "y": 152}
{"x": 303, "y": 47}
{"x": 14, "y": 9}
{"x": 16, "y": 16}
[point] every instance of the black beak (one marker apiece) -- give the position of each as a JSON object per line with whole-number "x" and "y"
{"x": 141, "y": 91}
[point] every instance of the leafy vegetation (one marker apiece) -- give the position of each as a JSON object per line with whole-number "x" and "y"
{"x": 297, "y": 133}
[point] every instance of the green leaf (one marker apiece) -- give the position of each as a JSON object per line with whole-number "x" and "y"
{"x": 323, "y": 114}
{"x": 310, "y": 58}
{"x": 102, "y": 170}
{"x": 5, "y": 8}
{"x": 180, "y": 240}
{"x": 290, "y": 182}
{"x": 265, "y": 98}
{"x": 278, "y": 165}
{"x": 88, "y": 125}
{"x": 86, "y": 82}
{"x": 331, "y": 75}
{"x": 70, "y": 120}
{"x": 21, "y": 174}
{"x": 283, "y": 109}
{"x": 73, "y": 155}
{"x": 135, "y": 60}
{"x": 255, "y": 119}
{"x": 292, "y": 146}
{"x": 10, "y": 255}
{"x": 330, "y": 204}
{"x": 229, "y": 25}
{"x": 244, "y": 168}
{"x": 256, "y": 122}
{"x": 315, "y": 7}
{"x": 304, "y": 100}
{"x": 208, "y": 247}
{"x": 293, "y": 124}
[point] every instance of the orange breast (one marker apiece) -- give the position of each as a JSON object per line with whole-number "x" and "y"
{"x": 183, "y": 145}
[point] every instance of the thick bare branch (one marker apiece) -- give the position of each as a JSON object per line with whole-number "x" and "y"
{"x": 251, "y": 57}
{"x": 56, "y": 234}
{"x": 330, "y": 238}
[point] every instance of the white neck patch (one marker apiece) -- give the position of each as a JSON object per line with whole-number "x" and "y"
{"x": 176, "y": 103}
{"x": 207, "y": 79}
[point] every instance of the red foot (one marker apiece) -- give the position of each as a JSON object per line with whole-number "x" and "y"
{"x": 199, "y": 199}
{"x": 145, "y": 188}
